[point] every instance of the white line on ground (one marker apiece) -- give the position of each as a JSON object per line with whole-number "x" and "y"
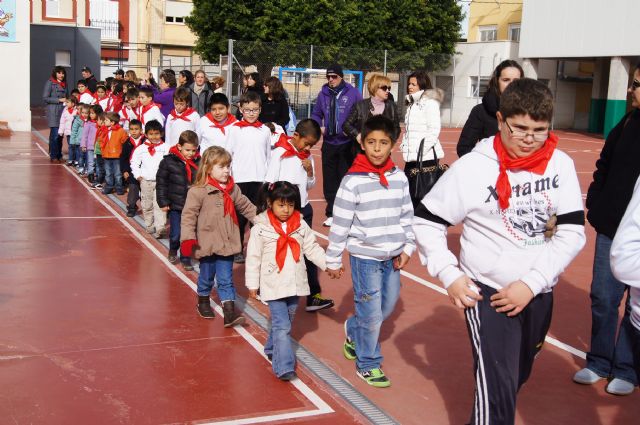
{"x": 102, "y": 217}
{"x": 321, "y": 406}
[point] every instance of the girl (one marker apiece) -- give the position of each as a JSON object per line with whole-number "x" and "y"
{"x": 66, "y": 121}
{"x": 275, "y": 108}
{"x": 275, "y": 266}
{"x": 88, "y": 140}
{"x": 209, "y": 230}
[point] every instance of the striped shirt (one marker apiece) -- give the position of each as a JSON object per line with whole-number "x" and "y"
{"x": 371, "y": 221}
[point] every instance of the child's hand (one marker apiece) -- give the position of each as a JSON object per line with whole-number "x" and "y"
{"x": 335, "y": 273}
{"x": 253, "y": 293}
{"x": 84, "y": 149}
{"x": 165, "y": 209}
{"x": 400, "y": 261}
{"x": 463, "y": 292}
{"x": 512, "y": 299}
{"x": 306, "y": 164}
{"x": 551, "y": 227}
{"x": 125, "y": 175}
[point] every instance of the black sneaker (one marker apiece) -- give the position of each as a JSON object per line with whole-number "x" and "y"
{"x": 131, "y": 213}
{"x": 316, "y": 302}
{"x": 239, "y": 258}
{"x": 187, "y": 267}
{"x": 288, "y": 376}
{"x": 270, "y": 357}
{"x": 120, "y": 192}
{"x": 173, "y": 256}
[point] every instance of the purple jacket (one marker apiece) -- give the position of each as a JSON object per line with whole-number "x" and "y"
{"x": 164, "y": 98}
{"x": 88, "y": 138}
{"x": 347, "y": 99}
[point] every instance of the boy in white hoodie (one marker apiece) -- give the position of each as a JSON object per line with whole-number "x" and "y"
{"x": 504, "y": 192}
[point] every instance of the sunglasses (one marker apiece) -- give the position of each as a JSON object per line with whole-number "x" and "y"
{"x": 635, "y": 84}
{"x": 385, "y": 88}
{"x": 332, "y": 77}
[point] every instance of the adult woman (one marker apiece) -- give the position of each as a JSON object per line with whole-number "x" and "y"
{"x": 218, "y": 84}
{"x": 379, "y": 103}
{"x": 422, "y": 124}
{"x": 275, "y": 108}
{"x": 185, "y": 78}
{"x": 482, "y": 121}
{"x": 54, "y": 96}
{"x": 163, "y": 92}
{"x": 201, "y": 92}
{"x": 131, "y": 76}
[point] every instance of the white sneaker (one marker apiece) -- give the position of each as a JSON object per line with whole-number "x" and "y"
{"x": 328, "y": 222}
{"x": 619, "y": 386}
{"x": 586, "y": 377}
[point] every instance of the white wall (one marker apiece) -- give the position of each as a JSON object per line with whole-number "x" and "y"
{"x": 15, "y": 99}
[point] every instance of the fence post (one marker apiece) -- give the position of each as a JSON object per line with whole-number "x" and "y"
{"x": 453, "y": 91}
{"x": 311, "y": 58}
{"x": 229, "y": 68}
{"x": 385, "y": 61}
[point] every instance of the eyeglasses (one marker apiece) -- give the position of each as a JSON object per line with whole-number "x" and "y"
{"x": 635, "y": 84}
{"x": 540, "y": 136}
{"x": 251, "y": 111}
{"x": 385, "y": 88}
{"x": 332, "y": 77}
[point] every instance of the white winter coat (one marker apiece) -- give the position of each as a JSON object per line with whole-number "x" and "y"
{"x": 422, "y": 121}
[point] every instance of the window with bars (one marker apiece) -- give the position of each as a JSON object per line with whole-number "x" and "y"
{"x": 488, "y": 33}
{"x": 478, "y": 87}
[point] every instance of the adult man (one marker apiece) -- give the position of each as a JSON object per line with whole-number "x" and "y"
{"x": 91, "y": 81}
{"x": 119, "y": 74}
{"x": 334, "y": 103}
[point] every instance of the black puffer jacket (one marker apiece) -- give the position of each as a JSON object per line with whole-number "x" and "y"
{"x": 482, "y": 123}
{"x": 171, "y": 182}
{"x": 363, "y": 110}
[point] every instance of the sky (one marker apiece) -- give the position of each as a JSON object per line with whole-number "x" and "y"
{"x": 465, "y": 22}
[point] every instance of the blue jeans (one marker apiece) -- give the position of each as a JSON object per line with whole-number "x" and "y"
{"x": 376, "y": 288}
{"x": 608, "y": 356}
{"x": 220, "y": 268}
{"x": 278, "y": 344}
{"x": 174, "y": 234}
{"x": 88, "y": 162}
{"x": 55, "y": 144}
{"x": 112, "y": 168}
{"x": 99, "y": 163}
{"x": 74, "y": 153}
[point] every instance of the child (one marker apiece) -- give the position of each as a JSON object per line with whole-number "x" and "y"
{"x": 66, "y": 121}
{"x": 249, "y": 144}
{"x": 144, "y": 167}
{"x": 100, "y": 173}
{"x": 86, "y": 96}
{"x": 147, "y": 110}
{"x": 503, "y": 192}
{"x": 209, "y": 230}
{"x": 291, "y": 161}
{"x": 176, "y": 173}
{"x": 278, "y": 240}
{"x": 111, "y": 147}
{"x": 136, "y": 138}
{"x": 102, "y": 98}
{"x": 88, "y": 140}
{"x": 182, "y": 118}
{"x": 76, "y": 94}
{"x": 372, "y": 218}
{"x": 213, "y": 127}
{"x": 129, "y": 109}
{"x": 75, "y": 136}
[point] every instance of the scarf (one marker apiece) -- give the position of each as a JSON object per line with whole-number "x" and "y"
{"x": 334, "y": 116}
{"x": 145, "y": 108}
{"x": 138, "y": 143}
{"x": 362, "y": 165}
{"x": 183, "y": 116}
{"x": 228, "y": 121}
{"x": 189, "y": 164}
{"x": 151, "y": 147}
{"x": 70, "y": 110}
{"x": 102, "y": 136}
{"x": 229, "y": 207}
{"x": 289, "y": 149}
{"x": 198, "y": 89}
{"x": 535, "y": 163}
{"x": 60, "y": 83}
{"x": 285, "y": 240}
{"x": 244, "y": 123}
{"x": 378, "y": 105}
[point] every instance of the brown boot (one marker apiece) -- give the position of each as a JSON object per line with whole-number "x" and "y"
{"x": 231, "y": 318}
{"x": 204, "y": 308}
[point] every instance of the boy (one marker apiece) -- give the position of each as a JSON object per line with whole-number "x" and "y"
{"x": 100, "y": 172}
{"x": 291, "y": 161}
{"x": 111, "y": 147}
{"x": 372, "y": 218}
{"x": 147, "y": 110}
{"x": 75, "y": 136}
{"x": 129, "y": 109}
{"x": 249, "y": 143}
{"x": 144, "y": 167}
{"x": 213, "y": 127}
{"x": 135, "y": 139}
{"x": 507, "y": 266}
{"x": 183, "y": 117}
{"x": 176, "y": 173}
{"x": 86, "y": 96}
{"x": 66, "y": 121}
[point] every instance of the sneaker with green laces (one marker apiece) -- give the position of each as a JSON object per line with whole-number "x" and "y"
{"x": 374, "y": 377}
{"x": 349, "y": 346}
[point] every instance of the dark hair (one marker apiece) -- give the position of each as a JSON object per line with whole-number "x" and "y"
{"x": 378, "y": 123}
{"x": 146, "y": 91}
{"x": 423, "y": 80}
{"x": 57, "y": 69}
{"x": 130, "y": 85}
{"x": 112, "y": 116}
{"x": 218, "y": 99}
{"x": 100, "y": 86}
{"x": 526, "y": 96}
{"x": 169, "y": 77}
{"x": 83, "y": 82}
{"x": 250, "y": 96}
{"x": 276, "y": 91}
{"x": 108, "y": 81}
{"x": 255, "y": 77}
{"x": 182, "y": 94}
{"x": 97, "y": 109}
{"x": 493, "y": 82}
{"x": 188, "y": 75}
{"x": 75, "y": 91}
{"x": 271, "y": 192}
{"x": 131, "y": 93}
{"x": 152, "y": 125}
{"x": 135, "y": 122}
{"x": 72, "y": 100}
{"x": 189, "y": 137}
{"x": 309, "y": 128}
{"x": 168, "y": 71}
{"x": 117, "y": 88}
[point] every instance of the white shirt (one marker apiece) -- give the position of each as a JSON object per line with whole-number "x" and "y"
{"x": 104, "y": 103}
{"x": 175, "y": 126}
{"x": 290, "y": 169}
{"x": 152, "y": 113}
{"x": 126, "y": 115}
{"x": 210, "y": 135}
{"x": 250, "y": 149}
{"x": 145, "y": 165}
{"x": 87, "y": 98}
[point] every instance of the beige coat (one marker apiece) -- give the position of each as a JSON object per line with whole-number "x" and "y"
{"x": 261, "y": 270}
{"x": 203, "y": 219}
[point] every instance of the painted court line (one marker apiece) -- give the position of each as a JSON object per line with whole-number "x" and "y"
{"x": 101, "y": 217}
{"x": 321, "y": 406}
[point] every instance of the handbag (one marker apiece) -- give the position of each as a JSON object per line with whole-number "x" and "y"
{"x": 422, "y": 179}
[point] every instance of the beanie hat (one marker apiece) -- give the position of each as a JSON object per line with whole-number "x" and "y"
{"x": 335, "y": 69}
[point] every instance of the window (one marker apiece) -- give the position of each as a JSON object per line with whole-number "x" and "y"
{"x": 514, "y": 32}
{"x": 63, "y": 58}
{"x": 52, "y": 8}
{"x": 478, "y": 90}
{"x": 176, "y": 11}
{"x": 488, "y": 33}
{"x": 445, "y": 83}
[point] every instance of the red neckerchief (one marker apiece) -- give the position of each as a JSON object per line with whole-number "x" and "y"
{"x": 228, "y": 121}
{"x": 289, "y": 149}
{"x": 189, "y": 164}
{"x": 183, "y": 116}
{"x": 285, "y": 240}
{"x": 535, "y": 163}
{"x": 102, "y": 136}
{"x": 138, "y": 143}
{"x": 144, "y": 109}
{"x": 362, "y": 165}
{"x": 70, "y": 110}
{"x": 55, "y": 81}
{"x": 229, "y": 207}
{"x": 244, "y": 123}
{"x": 109, "y": 104}
{"x": 151, "y": 147}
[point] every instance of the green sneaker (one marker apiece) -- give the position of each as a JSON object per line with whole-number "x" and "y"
{"x": 349, "y": 347}
{"x": 374, "y": 377}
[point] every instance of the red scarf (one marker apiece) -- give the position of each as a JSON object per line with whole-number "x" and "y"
{"x": 285, "y": 240}
{"x": 228, "y": 121}
{"x": 70, "y": 110}
{"x": 151, "y": 147}
{"x": 362, "y": 165}
{"x": 229, "y": 207}
{"x": 189, "y": 164}
{"x": 102, "y": 136}
{"x": 244, "y": 123}
{"x": 55, "y": 81}
{"x": 289, "y": 149}
{"x": 144, "y": 109}
{"x": 138, "y": 143}
{"x": 183, "y": 116}
{"x": 535, "y": 163}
